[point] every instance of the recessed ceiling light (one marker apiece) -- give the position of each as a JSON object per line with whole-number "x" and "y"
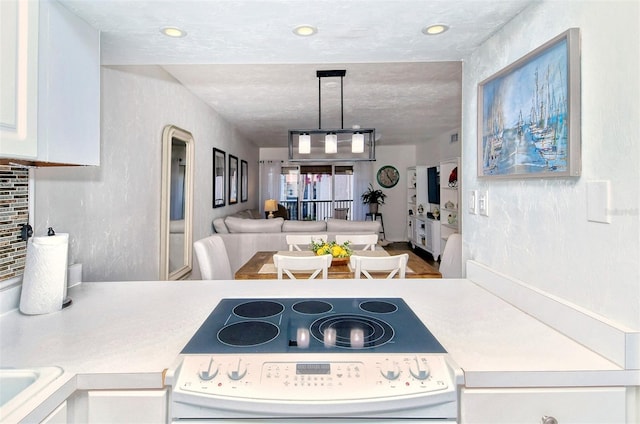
{"x": 305, "y": 30}
{"x": 435, "y": 29}
{"x": 173, "y": 32}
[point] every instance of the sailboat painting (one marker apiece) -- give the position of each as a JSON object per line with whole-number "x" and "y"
{"x": 529, "y": 114}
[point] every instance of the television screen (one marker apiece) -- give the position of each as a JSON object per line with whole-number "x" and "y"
{"x": 433, "y": 184}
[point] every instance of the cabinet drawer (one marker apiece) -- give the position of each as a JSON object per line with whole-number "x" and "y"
{"x": 127, "y": 406}
{"x": 567, "y": 405}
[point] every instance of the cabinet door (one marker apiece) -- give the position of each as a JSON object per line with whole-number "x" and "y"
{"x": 429, "y": 236}
{"x": 58, "y": 416}
{"x": 69, "y": 93}
{"x": 410, "y": 229}
{"x": 434, "y": 237}
{"x": 19, "y": 78}
{"x": 567, "y": 405}
{"x": 127, "y": 406}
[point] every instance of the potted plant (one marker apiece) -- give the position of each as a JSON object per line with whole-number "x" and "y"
{"x": 373, "y": 198}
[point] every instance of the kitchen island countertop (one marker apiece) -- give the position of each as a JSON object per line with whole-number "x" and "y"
{"x": 125, "y": 334}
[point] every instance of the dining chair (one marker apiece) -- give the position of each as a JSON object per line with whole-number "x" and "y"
{"x": 295, "y": 241}
{"x": 369, "y": 241}
{"x": 212, "y": 264}
{"x": 451, "y": 260}
{"x": 341, "y": 213}
{"x": 313, "y": 264}
{"x": 396, "y": 264}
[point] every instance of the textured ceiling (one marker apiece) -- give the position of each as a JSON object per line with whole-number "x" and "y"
{"x": 242, "y": 58}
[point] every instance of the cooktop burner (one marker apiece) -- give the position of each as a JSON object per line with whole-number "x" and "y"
{"x": 312, "y": 325}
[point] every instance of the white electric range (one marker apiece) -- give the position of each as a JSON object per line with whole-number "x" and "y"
{"x": 326, "y": 360}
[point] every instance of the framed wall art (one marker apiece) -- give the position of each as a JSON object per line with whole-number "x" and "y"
{"x": 233, "y": 179}
{"x": 529, "y": 114}
{"x": 244, "y": 181}
{"x": 218, "y": 178}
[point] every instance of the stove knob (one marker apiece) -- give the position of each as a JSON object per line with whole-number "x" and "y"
{"x": 419, "y": 368}
{"x": 238, "y": 371}
{"x": 208, "y": 372}
{"x": 390, "y": 370}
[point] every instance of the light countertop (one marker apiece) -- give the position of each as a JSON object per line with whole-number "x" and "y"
{"x": 125, "y": 334}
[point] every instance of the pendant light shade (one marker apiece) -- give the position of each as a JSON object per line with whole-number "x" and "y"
{"x": 331, "y": 143}
{"x": 336, "y": 140}
{"x": 357, "y": 143}
{"x": 304, "y": 144}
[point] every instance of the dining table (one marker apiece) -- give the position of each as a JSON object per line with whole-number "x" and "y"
{"x": 261, "y": 266}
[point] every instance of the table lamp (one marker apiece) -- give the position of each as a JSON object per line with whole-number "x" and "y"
{"x": 270, "y": 206}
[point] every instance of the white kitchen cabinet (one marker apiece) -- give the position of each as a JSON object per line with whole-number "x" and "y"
{"x": 120, "y": 406}
{"x": 604, "y": 405}
{"x": 58, "y": 416}
{"x": 19, "y": 78}
{"x": 66, "y": 90}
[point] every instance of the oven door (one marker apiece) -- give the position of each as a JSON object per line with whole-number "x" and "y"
{"x": 415, "y": 410}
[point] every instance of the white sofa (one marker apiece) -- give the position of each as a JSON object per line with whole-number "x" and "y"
{"x": 219, "y": 226}
{"x": 245, "y": 237}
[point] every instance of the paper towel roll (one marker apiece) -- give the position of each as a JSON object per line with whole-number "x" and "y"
{"x": 45, "y": 275}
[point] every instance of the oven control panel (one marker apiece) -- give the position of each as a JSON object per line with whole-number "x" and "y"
{"x": 305, "y": 377}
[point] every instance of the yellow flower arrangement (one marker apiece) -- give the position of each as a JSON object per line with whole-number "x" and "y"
{"x": 331, "y": 248}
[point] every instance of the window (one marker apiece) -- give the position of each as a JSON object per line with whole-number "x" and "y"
{"x": 313, "y": 192}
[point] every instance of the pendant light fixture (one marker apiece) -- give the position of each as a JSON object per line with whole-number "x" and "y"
{"x": 331, "y": 143}
{"x": 357, "y": 143}
{"x": 306, "y": 145}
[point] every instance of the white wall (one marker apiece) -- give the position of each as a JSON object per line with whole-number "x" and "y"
{"x": 274, "y": 153}
{"x": 438, "y": 148}
{"x": 395, "y": 208}
{"x": 537, "y": 230}
{"x": 112, "y": 212}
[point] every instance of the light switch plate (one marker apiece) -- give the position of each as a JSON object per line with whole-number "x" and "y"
{"x": 483, "y": 203}
{"x": 473, "y": 202}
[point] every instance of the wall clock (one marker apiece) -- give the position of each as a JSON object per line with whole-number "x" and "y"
{"x": 388, "y": 176}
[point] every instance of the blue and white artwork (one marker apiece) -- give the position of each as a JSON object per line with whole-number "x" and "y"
{"x": 524, "y": 117}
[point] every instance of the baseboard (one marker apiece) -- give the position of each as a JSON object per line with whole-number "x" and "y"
{"x": 617, "y": 343}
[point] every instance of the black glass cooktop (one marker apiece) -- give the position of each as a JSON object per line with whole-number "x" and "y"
{"x": 343, "y": 325}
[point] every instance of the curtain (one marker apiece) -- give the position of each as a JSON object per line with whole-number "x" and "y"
{"x": 269, "y": 181}
{"x": 362, "y": 172}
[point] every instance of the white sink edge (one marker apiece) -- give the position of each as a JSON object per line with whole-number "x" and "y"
{"x": 45, "y": 376}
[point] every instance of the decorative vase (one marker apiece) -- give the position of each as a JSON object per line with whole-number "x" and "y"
{"x": 373, "y": 207}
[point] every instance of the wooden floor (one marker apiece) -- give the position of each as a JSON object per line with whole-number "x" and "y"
{"x": 400, "y": 246}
